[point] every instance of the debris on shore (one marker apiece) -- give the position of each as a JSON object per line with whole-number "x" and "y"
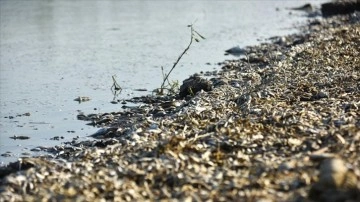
{"x": 81, "y": 99}
{"x": 284, "y": 126}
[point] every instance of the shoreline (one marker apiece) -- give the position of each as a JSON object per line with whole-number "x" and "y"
{"x": 260, "y": 134}
{"x": 55, "y": 117}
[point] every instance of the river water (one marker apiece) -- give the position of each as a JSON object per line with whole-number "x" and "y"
{"x": 51, "y": 52}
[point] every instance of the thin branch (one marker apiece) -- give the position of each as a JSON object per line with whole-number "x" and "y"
{"x": 115, "y": 85}
{"x": 179, "y": 58}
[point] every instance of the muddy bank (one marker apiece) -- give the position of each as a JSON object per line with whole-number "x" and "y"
{"x": 281, "y": 125}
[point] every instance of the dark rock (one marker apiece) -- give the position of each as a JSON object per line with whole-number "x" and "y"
{"x": 193, "y": 85}
{"x": 339, "y": 8}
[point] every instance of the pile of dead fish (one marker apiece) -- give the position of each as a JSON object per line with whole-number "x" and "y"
{"x": 283, "y": 125}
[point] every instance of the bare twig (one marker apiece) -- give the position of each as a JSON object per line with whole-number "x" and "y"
{"x": 115, "y": 88}
{"x": 194, "y": 35}
{"x": 115, "y": 85}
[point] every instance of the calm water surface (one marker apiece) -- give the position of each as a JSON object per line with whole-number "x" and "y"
{"x": 54, "y": 51}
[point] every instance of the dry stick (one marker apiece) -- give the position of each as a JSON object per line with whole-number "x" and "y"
{"x": 115, "y": 85}
{"x": 164, "y": 75}
{"x": 177, "y": 61}
{"x": 115, "y": 88}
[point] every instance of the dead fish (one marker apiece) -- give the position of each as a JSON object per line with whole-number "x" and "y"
{"x": 20, "y": 137}
{"x": 82, "y": 99}
{"x": 236, "y": 51}
{"x": 140, "y": 89}
{"x": 307, "y": 8}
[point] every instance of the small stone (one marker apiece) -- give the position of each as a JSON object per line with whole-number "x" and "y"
{"x": 332, "y": 173}
{"x": 193, "y": 85}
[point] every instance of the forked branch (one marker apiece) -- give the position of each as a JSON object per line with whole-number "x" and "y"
{"x": 194, "y": 36}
